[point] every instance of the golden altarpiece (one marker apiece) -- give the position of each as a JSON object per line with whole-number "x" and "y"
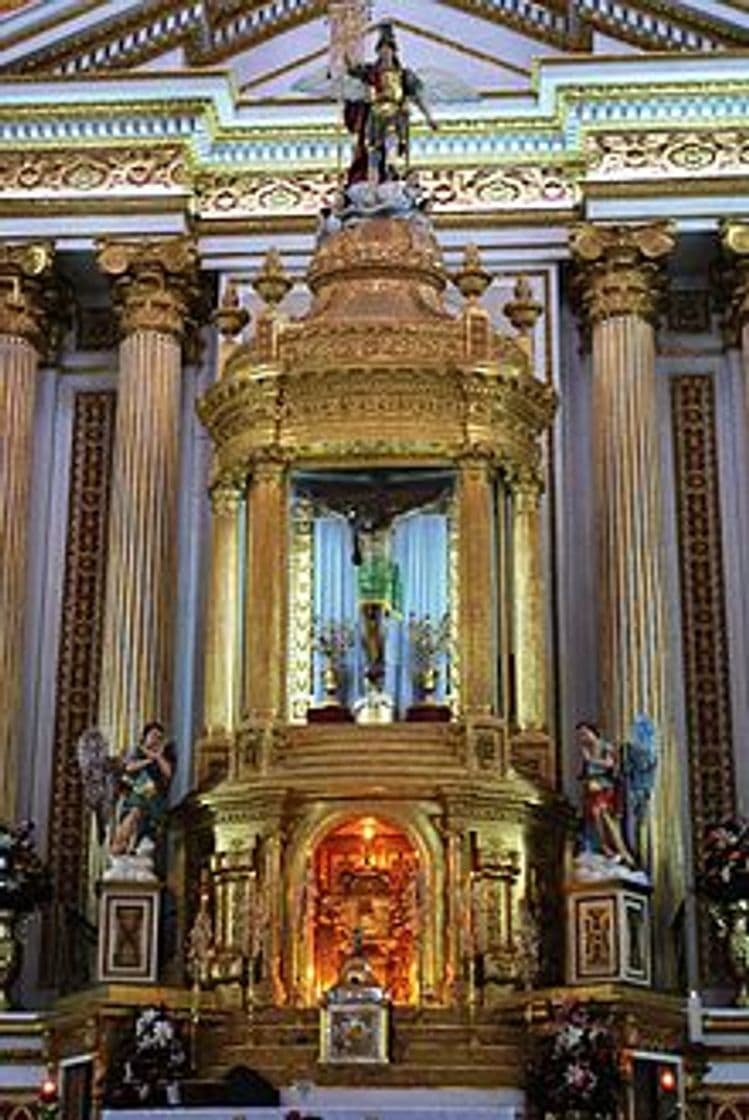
{"x": 460, "y": 498}
{"x": 409, "y": 828}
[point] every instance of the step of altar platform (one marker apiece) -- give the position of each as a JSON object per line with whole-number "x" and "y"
{"x": 420, "y": 750}
{"x": 23, "y": 1055}
{"x": 427, "y": 1049}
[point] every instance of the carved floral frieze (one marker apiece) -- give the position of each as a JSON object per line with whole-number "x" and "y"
{"x": 91, "y": 170}
{"x": 452, "y": 190}
{"x": 640, "y": 155}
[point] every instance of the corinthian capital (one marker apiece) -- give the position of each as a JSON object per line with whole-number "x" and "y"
{"x": 735, "y": 276}
{"x": 154, "y": 283}
{"x": 619, "y": 269}
{"x": 27, "y": 292}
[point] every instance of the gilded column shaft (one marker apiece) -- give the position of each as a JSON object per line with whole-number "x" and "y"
{"x": 223, "y": 613}
{"x": 18, "y": 368}
{"x": 274, "y": 894}
{"x": 266, "y": 592}
{"x": 529, "y": 615}
{"x": 477, "y": 658}
{"x": 628, "y": 513}
{"x": 154, "y": 288}
{"x": 453, "y": 911}
{"x": 141, "y": 575}
{"x": 23, "y": 270}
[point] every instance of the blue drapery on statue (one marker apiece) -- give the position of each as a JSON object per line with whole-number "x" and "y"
{"x": 420, "y": 549}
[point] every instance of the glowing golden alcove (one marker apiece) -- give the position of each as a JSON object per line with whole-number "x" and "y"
{"x": 366, "y": 877}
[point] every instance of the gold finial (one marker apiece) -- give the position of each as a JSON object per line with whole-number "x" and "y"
{"x": 273, "y": 281}
{"x": 523, "y": 310}
{"x": 472, "y": 279}
{"x": 230, "y": 318}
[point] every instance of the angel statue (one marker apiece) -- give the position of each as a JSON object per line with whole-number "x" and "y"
{"x": 128, "y": 796}
{"x": 379, "y": 120}
{"x": 377, "y": 97}
{"x": 601, "y": 777}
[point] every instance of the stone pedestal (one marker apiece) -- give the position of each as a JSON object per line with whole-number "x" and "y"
{"x": 329, "y": 713}
{"x": 609, "y": 932}
{"x": 128, "y": 932}
{"x": 428, "y": 713}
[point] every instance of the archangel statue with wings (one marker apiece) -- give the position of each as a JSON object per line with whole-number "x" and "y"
{"x": 379, "y": 118}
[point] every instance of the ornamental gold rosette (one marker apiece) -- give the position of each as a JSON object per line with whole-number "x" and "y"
{"x": 378, "y": 368}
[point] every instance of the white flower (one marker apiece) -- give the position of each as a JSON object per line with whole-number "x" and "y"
{"x": 163, "y": 1032}
{"x": 569, "y": 1037}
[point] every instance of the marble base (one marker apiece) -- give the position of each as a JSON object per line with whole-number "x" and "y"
{"x": 361, "y": 1104}
{"x": 128, "y": 932}
{"x": 608, "y": 932}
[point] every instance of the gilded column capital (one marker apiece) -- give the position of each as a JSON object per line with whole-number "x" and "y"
{"x": 155, "y": 283}
{"x": 619, "y": 269}
{"x": 271, "y": 464}
{"x": 226, "y": 498}
{"x": 27, "y": 292}
{"x": 735, "y": 276}
{"x": 526, "y": 485}
{"x": 476, "y": 458}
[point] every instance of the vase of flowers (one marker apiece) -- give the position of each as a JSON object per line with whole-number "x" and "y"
{"x": 25, "y": 883}
{"x": 428, "y": 641}
{"x": 153, "y": 1060}
{"x": 574, "y": 1072}
{"x": 725, "y": 881}
{"x": 332, "y": 640}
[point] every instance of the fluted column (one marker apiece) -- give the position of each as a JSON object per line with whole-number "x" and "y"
{"x": 475, "y": 514}
{"x": 265, "y": 601}
{"x": 529, "y": 607}
{"x": 620, "y": 285}
{"x": 24, "y": 280}
{"x": 154, "y": 287}
{"x": 222, "y": 652}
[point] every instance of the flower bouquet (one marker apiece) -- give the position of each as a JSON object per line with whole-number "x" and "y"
{"x": 725, "y": 867}
{"x": 25, "y": 882}
{"x": 575, "y": 1069}
{"x": 725, "y": 881}
{"x": 158, "y": 1058}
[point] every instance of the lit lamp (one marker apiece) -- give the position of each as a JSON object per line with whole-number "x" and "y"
{"x": 368, "y": 832}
